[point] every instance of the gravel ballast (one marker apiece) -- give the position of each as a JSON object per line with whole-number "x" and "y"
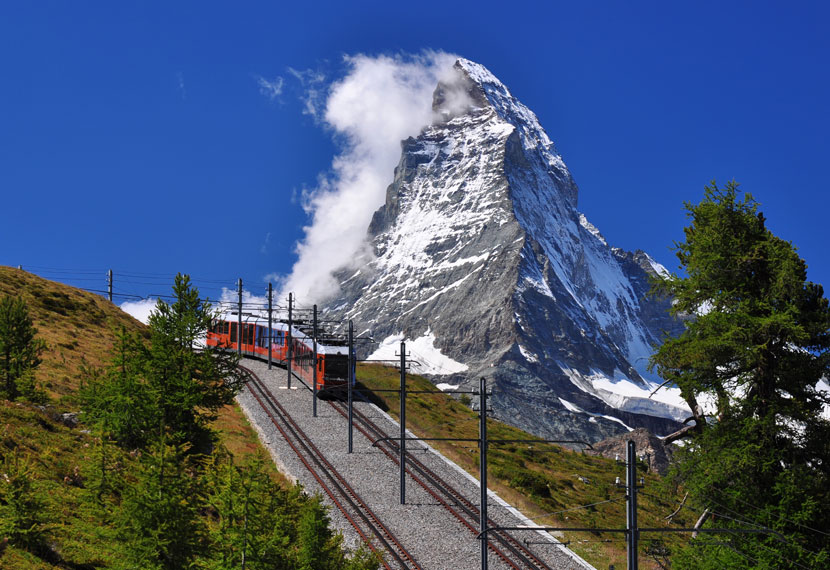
{"x": 436, "y": 539}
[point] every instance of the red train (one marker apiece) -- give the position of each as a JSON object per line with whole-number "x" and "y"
{"x": 332, "y": 353}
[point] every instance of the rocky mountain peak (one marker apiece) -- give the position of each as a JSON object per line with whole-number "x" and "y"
{"x": 481, "y": 256}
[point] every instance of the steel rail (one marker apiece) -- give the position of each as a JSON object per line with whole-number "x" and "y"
{"x": 470, "y": 511}
{"x": 370, "y": 519}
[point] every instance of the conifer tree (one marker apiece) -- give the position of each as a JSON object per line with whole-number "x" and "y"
{"x": 159, "y": 519}
{"x": 19, "y": 350}
{"x": 757, "y": 342}
{"x": 22, "y": 512}
{"x": 189, "y": 381}
{"x": 118, "y": 401}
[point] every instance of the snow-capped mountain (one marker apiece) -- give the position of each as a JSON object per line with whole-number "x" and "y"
{"x": 483, "y": 263}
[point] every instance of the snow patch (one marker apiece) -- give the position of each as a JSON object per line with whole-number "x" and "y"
{"x": 576, "y": 409}
{"x": 621, "y": 393}
{"x": 592, "y": 229}
{"x": 423, "y": 355}
{"x": 658, "y": 268}
{"x": 529, "y": 356}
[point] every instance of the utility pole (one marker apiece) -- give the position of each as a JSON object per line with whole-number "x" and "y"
{"x": 239, "y": 321}
{"x": 350, "y": 378}
{"x": 483, "y": 468}
{"x": 109, "y": 285}
{"x": 270, "y": 320}
{"x": 290, "y": 353}
{"x": 403, "y": 423}
{"x": 314, "y": 364}
{"x": 631, "y": 506}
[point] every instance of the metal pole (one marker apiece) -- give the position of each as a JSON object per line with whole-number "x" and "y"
{"x": 483, "y": 468}
{"x": 314, "y": 364}
{"x": 350, "y": 376}
{"x": 403, "y": 423}
{"x": 109, "y": 285}
{"x": 239, "y": 322}
{"x": 270, "y": 320}
{"x": 288, "y": 340}
{"x": 631, "y": 506}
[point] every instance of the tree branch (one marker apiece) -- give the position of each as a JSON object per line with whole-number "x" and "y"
{"x": 700, "y": 521}
{"x": 677, "y": 510}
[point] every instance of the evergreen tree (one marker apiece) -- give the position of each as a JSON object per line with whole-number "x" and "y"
{"x": 254, "y": 518}
{"x": 118, "y": 402}
{"x": 757, "y": 341}
{"x": 258, "y": 525}
{"x": 19, "y": 350}
{"x": 189, "y": 382}
{"x": 160, "y": 516}
{"x": 22, "y": 513}
{"x": 169, "y": 389}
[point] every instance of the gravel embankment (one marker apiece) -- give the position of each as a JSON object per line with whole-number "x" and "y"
{"x": 430, "y": 533}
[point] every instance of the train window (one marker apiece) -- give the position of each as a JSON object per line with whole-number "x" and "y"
{"x": 233, "y": 332}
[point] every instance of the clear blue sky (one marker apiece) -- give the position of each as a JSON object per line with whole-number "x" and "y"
{"x": 135, "y": 136}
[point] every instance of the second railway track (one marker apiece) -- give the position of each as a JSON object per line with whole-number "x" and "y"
{"x": 508, "y": 548}
{"x": 439, "y": 523}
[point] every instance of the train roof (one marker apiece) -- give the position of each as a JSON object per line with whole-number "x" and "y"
{"x": 301, "y": 330}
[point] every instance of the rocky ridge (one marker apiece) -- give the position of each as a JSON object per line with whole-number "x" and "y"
{"x": 480, "y": 246}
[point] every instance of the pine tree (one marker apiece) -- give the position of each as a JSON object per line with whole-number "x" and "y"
{"x": 22, "y": 513}
{"x": 757, "y": 341}
{"x": 19, "y": 350}
{"x": 117, "y": 401}
{"x": 190, "y": 382}
{"x": 254, "y": 520}
{"x": 160, "y": 516}
{"x": 169, "y": 389}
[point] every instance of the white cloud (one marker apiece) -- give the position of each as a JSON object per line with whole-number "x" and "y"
{"x": 140, "y": 310}
{"x": 182, "y": 90}
{"x": 271, "y": 89}
{"x": 263, "y": 249}
{"x": 313, "y": 86}
{"x": 381, "y": 101}
{"x": 252, "y": 304}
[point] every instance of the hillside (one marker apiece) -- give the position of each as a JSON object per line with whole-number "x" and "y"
{"x": 78, "y": 327}
{"x": 53, "y": 463}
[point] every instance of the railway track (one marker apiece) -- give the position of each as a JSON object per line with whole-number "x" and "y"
{"x": 513, "y": 552}
{"x": 367, "y": 524}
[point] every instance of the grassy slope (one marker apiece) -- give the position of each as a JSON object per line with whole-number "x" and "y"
{"x": 539, "y": 479}
{"x": 79, "y": 329}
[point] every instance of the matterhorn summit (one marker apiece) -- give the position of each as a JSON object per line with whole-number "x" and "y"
{"x": 484, "y": 265}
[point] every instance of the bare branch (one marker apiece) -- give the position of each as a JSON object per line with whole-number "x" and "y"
{"x": 677, "y": 510}
{"x": 700, "y": 521}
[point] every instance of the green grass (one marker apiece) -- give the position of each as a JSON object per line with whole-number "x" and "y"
{"x": 79, "y": 329}
{"x": 543, "y": 480}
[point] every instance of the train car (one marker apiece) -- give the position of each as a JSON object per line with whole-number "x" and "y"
{"x": 332, "y": 354}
